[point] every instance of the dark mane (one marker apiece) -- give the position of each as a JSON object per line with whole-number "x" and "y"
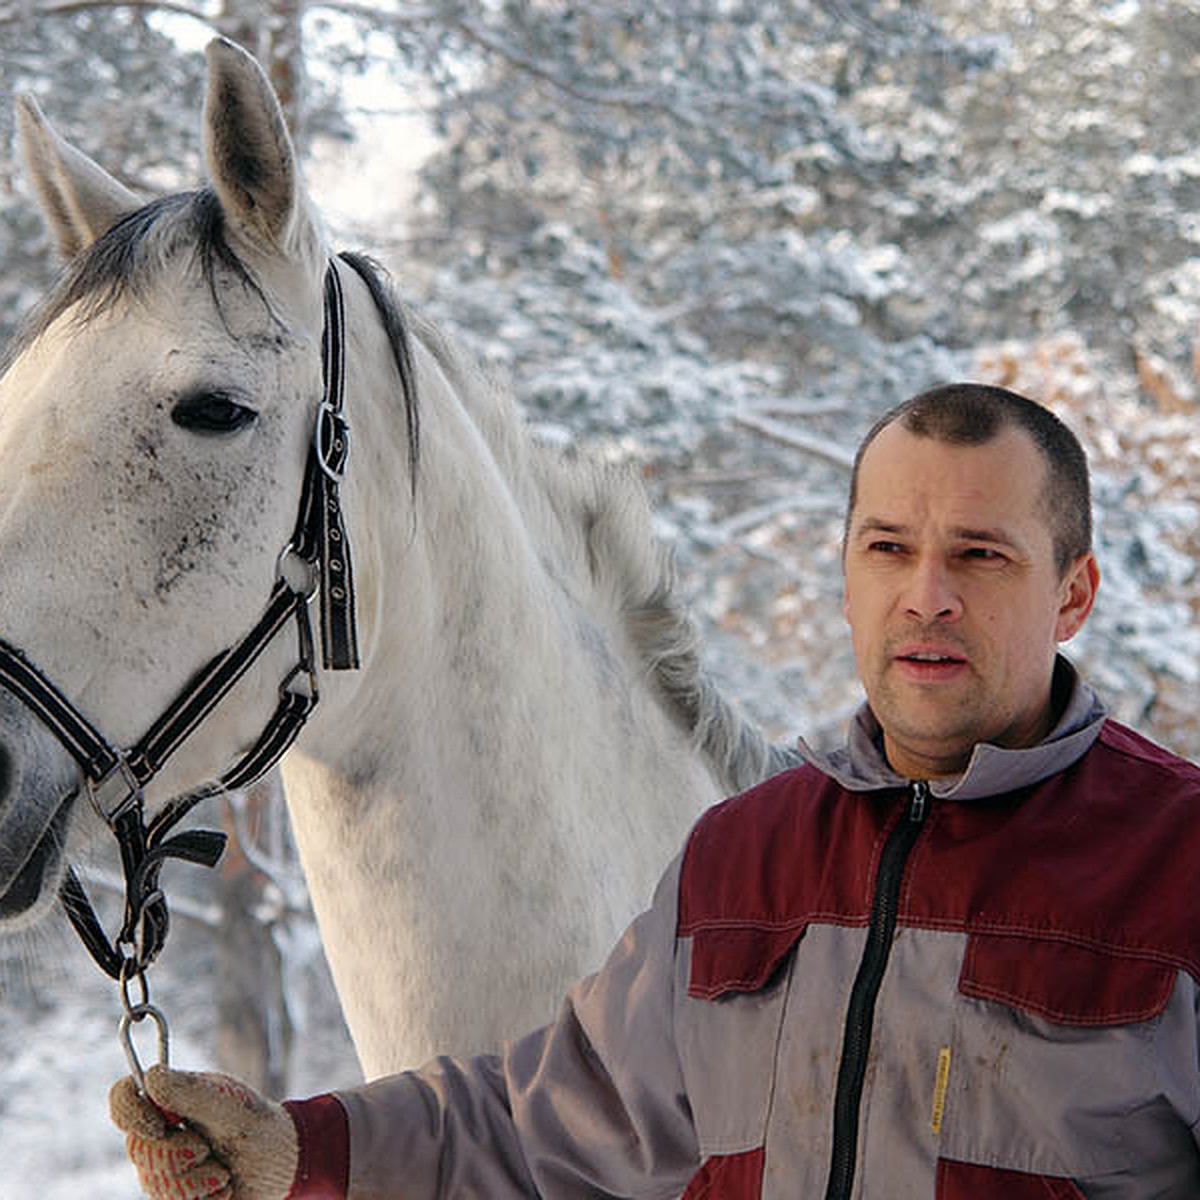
{"x": 388, "y": 308}
{"x": 128, "y": 258}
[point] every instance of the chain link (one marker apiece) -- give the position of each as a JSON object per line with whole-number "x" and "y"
{"x": 131, "y": 972}
{"x": 136, "y": 1007}
{"x": 130, "y": 1018}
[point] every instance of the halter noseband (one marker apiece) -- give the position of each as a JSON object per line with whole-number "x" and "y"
{"x": 115, "y": 778}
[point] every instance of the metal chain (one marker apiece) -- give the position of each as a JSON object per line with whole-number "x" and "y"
{"x": 136, "y": 1010}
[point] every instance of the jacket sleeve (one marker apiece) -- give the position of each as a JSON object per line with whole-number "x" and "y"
{"x": 592, "y": 1105}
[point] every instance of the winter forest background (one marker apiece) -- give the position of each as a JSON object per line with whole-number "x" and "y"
{"x": 714, "y": 238}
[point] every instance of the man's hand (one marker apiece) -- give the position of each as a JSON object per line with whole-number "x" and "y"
{"x": 198, "y": 1136}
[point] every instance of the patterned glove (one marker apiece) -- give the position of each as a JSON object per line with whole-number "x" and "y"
{"x": 200, "y": 1136}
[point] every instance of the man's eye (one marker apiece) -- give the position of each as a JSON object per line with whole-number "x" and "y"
{"x": 882, "y": 547}
{"x": 983, "y": 554}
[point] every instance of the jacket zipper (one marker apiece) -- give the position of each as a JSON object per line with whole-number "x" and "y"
{"x": 860, "y": 1016}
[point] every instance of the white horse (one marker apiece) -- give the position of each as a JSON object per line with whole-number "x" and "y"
{"x": 482, "y": 806}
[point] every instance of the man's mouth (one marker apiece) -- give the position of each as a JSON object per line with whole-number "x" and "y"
{"x": 924, "y": 664}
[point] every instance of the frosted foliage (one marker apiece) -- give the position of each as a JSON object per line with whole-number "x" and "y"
{"x": 1142, "y": 645}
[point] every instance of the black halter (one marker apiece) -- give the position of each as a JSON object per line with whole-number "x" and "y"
{"x": 115, "y": 778}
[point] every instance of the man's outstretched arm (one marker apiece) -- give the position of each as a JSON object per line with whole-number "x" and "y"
{"x": 593, "y": 1103}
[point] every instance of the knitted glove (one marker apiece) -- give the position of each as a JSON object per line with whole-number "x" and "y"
{"x": 232, "y": 1144}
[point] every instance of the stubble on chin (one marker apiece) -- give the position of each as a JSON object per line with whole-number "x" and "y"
{"x": 937, "y": 728}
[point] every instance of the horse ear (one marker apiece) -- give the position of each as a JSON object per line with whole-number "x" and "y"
{"x": 79, "y": 199}
{"x": 250, "y": 156}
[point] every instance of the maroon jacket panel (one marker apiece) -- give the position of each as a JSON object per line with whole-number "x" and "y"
{"x": 1096, "y": 858}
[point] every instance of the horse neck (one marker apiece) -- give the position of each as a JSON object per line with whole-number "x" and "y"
{"x": 498, "y": 732}
{"x": 482, "y": 640}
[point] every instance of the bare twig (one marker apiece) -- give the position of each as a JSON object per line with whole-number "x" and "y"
{"x": 777, "y": 432}
{"x": 11, "y": 14}
{"x": 207, "y": 915}
{"x": 742, "y": 522}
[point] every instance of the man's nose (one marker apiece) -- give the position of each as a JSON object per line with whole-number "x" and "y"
{"x": 931, "y": 594}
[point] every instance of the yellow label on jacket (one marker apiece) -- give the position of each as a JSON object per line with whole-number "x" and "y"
{"x": 939, "y": 1089}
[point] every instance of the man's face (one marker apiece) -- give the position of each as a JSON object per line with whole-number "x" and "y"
{"x": 954, "y": 598}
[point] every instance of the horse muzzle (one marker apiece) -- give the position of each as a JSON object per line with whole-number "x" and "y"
{"x": 39, "y": 783}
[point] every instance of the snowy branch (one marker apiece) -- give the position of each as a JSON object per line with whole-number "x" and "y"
{"x": 12, "y": 14}
{"x": 743, "y": 522}
{"x": 777, "y": 432}
{"x": 206, "y": 915}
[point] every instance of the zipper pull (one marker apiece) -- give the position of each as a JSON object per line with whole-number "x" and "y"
{"x": 918, "y": 802}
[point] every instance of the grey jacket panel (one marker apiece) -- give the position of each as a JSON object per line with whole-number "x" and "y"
{"x": 953, "y": 1077}
{"x": 442, "y": 1131}
{"x": 1107, "y": 1108}
{"x": 590, "y": 1106}
{"x": 738, "y": 1044}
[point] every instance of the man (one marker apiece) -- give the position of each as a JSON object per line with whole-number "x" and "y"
{"x": 958, "y": 958}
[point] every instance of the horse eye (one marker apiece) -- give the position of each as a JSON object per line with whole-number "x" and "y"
{"x": 212, "y": 412}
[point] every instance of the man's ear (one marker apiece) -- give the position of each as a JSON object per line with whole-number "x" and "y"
{"x": 1078, "y": 594}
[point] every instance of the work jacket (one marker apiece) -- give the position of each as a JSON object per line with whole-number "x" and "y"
{"x": 853, "y": 985}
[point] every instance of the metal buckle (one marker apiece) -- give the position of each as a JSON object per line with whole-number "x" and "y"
{"x": 332, "y": 459}
{"x": 290, "y": 554}
{"x": 304, "y": 672}
{"x": 305, "y": 668}
{"x": 131, "y": 799}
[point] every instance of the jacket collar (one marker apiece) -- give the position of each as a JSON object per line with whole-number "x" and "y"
{"x": 860, "y": 766}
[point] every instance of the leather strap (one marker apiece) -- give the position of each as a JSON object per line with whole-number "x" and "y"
{"x": 96, "y": 758}
{"x": 320, "y": 535}
{"x": 210, "y": 687}
{"x": 144, "y": 850}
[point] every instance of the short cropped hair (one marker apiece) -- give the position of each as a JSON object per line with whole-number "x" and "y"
{"x": 972, "y": 414}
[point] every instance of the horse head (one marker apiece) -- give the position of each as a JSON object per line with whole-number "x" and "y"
{"x": 156, "y": 416}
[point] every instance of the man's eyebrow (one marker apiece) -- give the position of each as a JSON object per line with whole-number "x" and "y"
{"x": 1000, "y": 537}
{"x": 997, "y": 536}
{"x": 879, "y": 525}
